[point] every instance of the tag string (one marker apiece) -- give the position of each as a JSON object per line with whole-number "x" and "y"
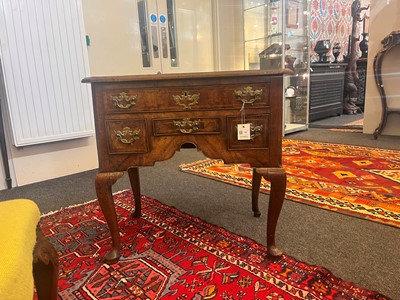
{"x": 243, "y": 114}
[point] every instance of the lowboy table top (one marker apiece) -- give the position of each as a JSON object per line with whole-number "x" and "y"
{"x": 150, "y": 77}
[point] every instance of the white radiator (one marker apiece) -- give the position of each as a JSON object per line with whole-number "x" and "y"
{"x": 44, "y": 58}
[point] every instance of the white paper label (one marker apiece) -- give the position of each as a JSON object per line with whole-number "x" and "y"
{"x": 243, "y": 131}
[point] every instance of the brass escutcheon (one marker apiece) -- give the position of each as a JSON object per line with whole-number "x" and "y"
{"x": 186, "y": 99}
{"x": 247, "y": 95}
{"x": 123, "y": 100}
{"x": 187, "y": 126}
{"x": 127, "y": 136}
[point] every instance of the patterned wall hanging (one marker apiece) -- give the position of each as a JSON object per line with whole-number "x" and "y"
{"x": 330, "y": 20}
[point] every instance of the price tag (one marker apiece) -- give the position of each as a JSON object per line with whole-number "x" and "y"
{"x": 243, "y": 131}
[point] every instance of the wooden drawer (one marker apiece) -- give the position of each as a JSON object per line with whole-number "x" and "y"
{"x": 260, "y": 128}
{"x": 127, "y": 136}
{"x": 184, "y": 98}
{"x": 177, "y": 126}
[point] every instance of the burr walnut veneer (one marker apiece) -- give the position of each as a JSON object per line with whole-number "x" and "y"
{"x": 147, "y": 118}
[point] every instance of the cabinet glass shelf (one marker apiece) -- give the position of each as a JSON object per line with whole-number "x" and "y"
{"x": 276, "y": 35}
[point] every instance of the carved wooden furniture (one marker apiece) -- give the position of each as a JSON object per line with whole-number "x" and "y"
{"x": 144, "y": 119}
{"x": 326, "y": 90}
{"x": 388, "y": 43}
{"x": 362, "y": 64}
{"x": 45, "y": 268}
{"x": 20, "y": 237}
{"x": 351, "y": 77}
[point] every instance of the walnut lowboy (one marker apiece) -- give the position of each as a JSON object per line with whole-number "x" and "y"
{"x": 147, "y": 118}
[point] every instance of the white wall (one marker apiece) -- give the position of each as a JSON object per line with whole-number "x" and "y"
{"x": 47, "y": 161}
{"x": 384, "y": 20}
{"x": 34, "y": 163}
{"x": 111, "y": 28}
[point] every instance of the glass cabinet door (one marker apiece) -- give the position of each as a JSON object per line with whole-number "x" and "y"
{"x": 276, "y": 35}
{"x": 255, "y": 32}
{"x": 175, "y": 36}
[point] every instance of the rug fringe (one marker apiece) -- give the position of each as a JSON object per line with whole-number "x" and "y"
{"x": 208, "y": 162}
{"x": 76, "y": 205}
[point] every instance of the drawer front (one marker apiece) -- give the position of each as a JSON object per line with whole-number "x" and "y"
{"x": 260, "y": 130}
{"x": 127, "y": 136}
{"x": 136, "y": 100}
{"x": 177, "y": 126}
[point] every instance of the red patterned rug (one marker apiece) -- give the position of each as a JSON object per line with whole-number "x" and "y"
{"x": 360, "y": 181}
{"x": 171, "y": 255}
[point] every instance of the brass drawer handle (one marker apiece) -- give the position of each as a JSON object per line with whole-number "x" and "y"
{"x": 127, "y": 136}
{"x": 247, "y": 95}
{"x": 123, "y": 100}
{"x": 186, "y": 99}
{"x": 187, "y": 126}
{"x": 255, "y": 131}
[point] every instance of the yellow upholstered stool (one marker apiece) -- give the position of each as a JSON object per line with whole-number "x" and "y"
{"x": 21, "y": 254}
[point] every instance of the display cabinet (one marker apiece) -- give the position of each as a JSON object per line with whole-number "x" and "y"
{"x": 276, "y": 35}
{"x": 326, "y": 90}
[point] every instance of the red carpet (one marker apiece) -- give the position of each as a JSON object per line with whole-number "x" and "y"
{"x": 360, "y": 181}
{"x": 171, "y": 255}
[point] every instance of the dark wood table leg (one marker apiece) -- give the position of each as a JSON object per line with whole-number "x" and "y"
{"x": 45, "y": 268}
{"x": 255, "y": 191}
{"x": 277, "y": 177}
{"x": 135, "y": 184}
{"x": 104, "y": 182}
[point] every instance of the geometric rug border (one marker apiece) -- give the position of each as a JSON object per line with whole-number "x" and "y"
{"x": 348, "y": 212}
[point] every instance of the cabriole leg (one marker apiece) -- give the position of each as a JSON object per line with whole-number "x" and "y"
{"x": 255, "y": 191}
{"x": 104, "y": 182}
{"x": 277, "y": 177}
{"x": 135, "y": 184}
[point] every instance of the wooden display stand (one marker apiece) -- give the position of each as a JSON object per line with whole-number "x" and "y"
{"x": 389, "y": 42}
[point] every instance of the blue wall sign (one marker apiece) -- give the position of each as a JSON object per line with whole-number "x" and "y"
{"x": 163, "y": 19}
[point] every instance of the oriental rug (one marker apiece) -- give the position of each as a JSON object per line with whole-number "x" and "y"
{"x": 168, "y": 254}
{"x": 359, "y": 181}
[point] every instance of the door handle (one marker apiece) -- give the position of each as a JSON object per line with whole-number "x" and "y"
{"x": 154, "y": 41}
{"x": 164, "y": 35}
